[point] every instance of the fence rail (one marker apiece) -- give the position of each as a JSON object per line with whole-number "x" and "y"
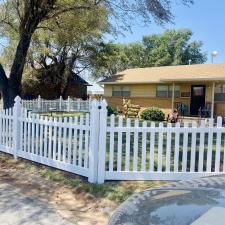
{"x": 114, "y": 148}
{"x": 68, "y": 105}
{"x": 159, "y": 151}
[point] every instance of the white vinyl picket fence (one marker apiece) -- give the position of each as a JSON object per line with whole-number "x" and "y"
{"x": 68, "y": 105}
{"x": 151, "y": 151}
{"x": 114, "y": 148}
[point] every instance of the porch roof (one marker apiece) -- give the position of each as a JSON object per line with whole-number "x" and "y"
{"x": 186, "y": 73}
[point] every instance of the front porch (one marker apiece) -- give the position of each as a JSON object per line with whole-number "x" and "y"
{"x": 205, "y": 99}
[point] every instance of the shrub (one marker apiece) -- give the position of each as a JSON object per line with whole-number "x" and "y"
{"x": 111, "y": 110}
{"x": 153, "y": 113}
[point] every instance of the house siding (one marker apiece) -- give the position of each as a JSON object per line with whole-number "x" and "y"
{"x": 145, "y": 96}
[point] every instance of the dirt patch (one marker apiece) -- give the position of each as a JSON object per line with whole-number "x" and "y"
{"x": 74, "y": 198}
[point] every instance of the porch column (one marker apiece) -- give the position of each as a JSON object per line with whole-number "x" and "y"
{"x": 212, "y": 106}
{"x": 173, "y": 90}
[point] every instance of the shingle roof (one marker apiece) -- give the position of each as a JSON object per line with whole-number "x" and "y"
{"x": 199, "y": 72}
{"x": 75, "y": 79}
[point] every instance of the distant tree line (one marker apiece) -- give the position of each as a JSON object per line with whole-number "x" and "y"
{"x": 169, "y": 48}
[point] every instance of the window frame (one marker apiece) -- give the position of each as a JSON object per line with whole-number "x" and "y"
{"x": 168, "y": 91}
{"x": 121, "y": 92}
{"x": 219, "y": 96}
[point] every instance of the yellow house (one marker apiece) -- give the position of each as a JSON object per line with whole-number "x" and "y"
{"x": 193, "y": 87}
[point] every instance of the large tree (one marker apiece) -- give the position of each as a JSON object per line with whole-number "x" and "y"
{"x": 31, "y": 15}
{"x": 173, "y": 47}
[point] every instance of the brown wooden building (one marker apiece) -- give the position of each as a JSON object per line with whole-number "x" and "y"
{"x": 49, "y": 85}
{"x": 195, "y": 87}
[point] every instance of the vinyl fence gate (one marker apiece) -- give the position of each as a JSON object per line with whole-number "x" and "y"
{"x": 102, "y": 148}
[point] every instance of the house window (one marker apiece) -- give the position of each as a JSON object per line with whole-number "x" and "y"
{"x": 220, "y": 92}
{"x": 162, "y": 91}
{"x": 121, "y": 91}
{"x": 165, "y": 91}
{"x": 176, "y": 91}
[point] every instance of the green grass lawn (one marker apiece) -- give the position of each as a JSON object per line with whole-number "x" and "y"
{"x": 164, "y": 151}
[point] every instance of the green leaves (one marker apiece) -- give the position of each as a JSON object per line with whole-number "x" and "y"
{"x": 169, "y": 48}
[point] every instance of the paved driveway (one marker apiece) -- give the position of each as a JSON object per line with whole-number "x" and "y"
{"x": 18, "y": 209}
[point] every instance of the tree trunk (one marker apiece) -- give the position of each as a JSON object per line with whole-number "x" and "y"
{"x": 4, "y": 87}
{"x": 11, "y": 87}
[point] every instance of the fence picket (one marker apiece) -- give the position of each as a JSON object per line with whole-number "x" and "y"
{"x": 80, "y": 141}
{"x": 119, "y": 145}
{"x": 43, "y": 105}
{"x": 59, "y": 148}
{"x": 6, "y": 127}
{"x": 54, "y": 138}
{"x": 193, "y": 146}
{"x": 69, "y": 141}
{"x": 111, "y": 144}
{"x": 29, "y": 133}
{"x": 75, "y": 141}
{"x": 135, "y": 154}
{"x": 218, "y": 145}
{"x": 152, "y": 147}
{"x": 50, "y": 138}
{"x": 64, "y": 140}
{"x": 41, "y": 137}
{"x": 32, "y": 133}
{"x": 86, "y": 142}
{"x": 127, "y": 157}
{"x": 3, "y": 128}
{"x": 46, "y": 136}
{"x": 210, "y": 143}
{"x": 201, "y": 147}
{"x": 176, "y": 149}
{"x": 143, "y": 155}
{"x": 185, "y": 145}
{"x": 160, "y": 147}
{"x": 25, "y": 134}
{"x": 168, "y": 147}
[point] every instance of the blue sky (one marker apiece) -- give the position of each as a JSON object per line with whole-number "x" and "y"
{"x": 206, "y": 18}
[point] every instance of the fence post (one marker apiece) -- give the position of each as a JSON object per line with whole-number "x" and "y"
{"x": 16, "y": 125}
{"x": 60, "y": 103}
{"x": 94, "y": 142}
{"x": 39, "y": 102}
{"x": 102, "y": 140}
{"x": 78, "y": 104}
{"x": 68, "y": 103}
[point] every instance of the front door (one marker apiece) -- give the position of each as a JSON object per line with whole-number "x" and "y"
{"x": 197, "y": 98}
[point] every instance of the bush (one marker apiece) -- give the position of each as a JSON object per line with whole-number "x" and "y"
{"x": 111, "y": 110}
{"x": 153, "y": 113}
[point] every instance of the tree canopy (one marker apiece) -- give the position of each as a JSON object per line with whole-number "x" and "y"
{"x": 20, "y": 20}
{"x": 173, "y": 47}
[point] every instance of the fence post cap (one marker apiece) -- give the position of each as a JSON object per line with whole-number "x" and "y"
{"x": 17, "y": 99}
{"x": 103, "y": 103}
